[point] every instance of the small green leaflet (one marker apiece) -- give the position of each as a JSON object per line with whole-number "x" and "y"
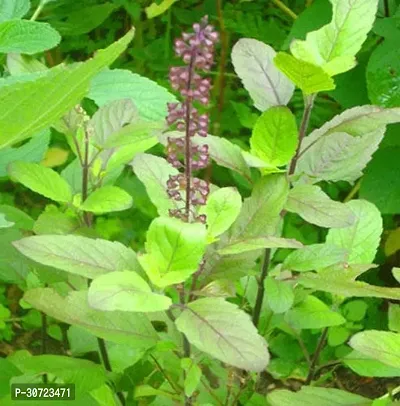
{"x": 125, "y": 291}
{"x": 42, "y": 180}
{"x": 221, "y": 329}
{"x": 307, "y": 77}
{"x": 274, "y": 138}
{"x": 107, "y": 199}
{"x": 253, "y": 63}
{"x": 27, "y": 37}
{"x": 312, "y": 313}
{"x": 280, "y": 296}
{"x": 174, "y": 250}
{"x": 78, "y": 255}
{"x": 334, "y": 46}
{"x": 193, "y": 375}
{"x": 383, "y": 346}
{"x": 314, "y": 396}
{"x": 13, "y": 9}
{"x": 155, "y": 9}
{"x": 314, "y": 257}
{"x": 363, "y": 237}
{"x": 394, "y": 317}
{"x": 314, "y": 206}
{"x": 222, "y": 208}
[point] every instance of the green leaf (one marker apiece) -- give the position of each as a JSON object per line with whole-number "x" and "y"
{"x": 280, "y": 296}
{"x": 339, "y": 283}
{"x": 222, "y": 208}
{"x": 21, "y": 220}
{"x": 27, "y": 37}
{"x": 174, "y": 250}
{"x": 314, "y": 206}
{"x": 120, "y": 327}
{"x": 193, "y": 375}
{"x": 314, "y": 396}
{"x": 226, "y": 154}
{"x": 339, "y": 156}
{"x": 365, "y": 366}
{"x": 4, "y": 223}
{"x": 252, "y": 244}
{"x": 396, "y": 274}
{"x": 314, "y": 257}
{"x": 222, "y": 330}
{"x": 341, "y": 148}
{"x": 53, "y": 221}
{"x": 355, "y": 310}
{"x": 337, "y": 335}
{"x": 334, "y": 46}
{"x": 150, "y": 98}
{"x": 363, "y": 237}
{"x": 107, "y": 199}
{"x": 111, "y": 118}
{"x": 154, "y": 173}
{"x": 382, "y": 74}
{"x": 260, "y": 212}
{"x": 312, "y": 313}
{"x": 78, "y": 255}
{"x": 274, "y": 137}
{"x": 28, "y": 107}
{"x": 33, "y": 151}
{"x": 394, "y": 317}
{"x": 42, "y": 180}
{"x": 383, "y": 191}
{"x": 383, "y": 346}
{"x": 253, "y": 63}
{"x": 86, "y": 375}
{"x": 138, "y": 133}
{"x": 11, "y": 9}
{"x": 307, "y": 77}
{"x": 7, "y": 371}
{"x": 84, "y": 19}
{"x": 155, "y": 9}
{"x": 125, "y": 291}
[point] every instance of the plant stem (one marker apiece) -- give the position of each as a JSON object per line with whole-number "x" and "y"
{"x": 88, "y": 221}
{"x": 308, "y": 106}
{"x": 386, "y": 8}
{"x": 170, "y": 381}
{"x": 285, "y": 9}
{"x": 316, "y": 355}
{"x": 261, "y": 288}
{"x": 37, "y": 11}
{"x": 44, "y": 341}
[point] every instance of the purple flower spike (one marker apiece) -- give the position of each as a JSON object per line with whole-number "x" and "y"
{"x": 196, "y": 49}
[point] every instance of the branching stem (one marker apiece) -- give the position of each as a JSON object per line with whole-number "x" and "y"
{"x": 316, "y": 355}
{"x": 308, "y": 106}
